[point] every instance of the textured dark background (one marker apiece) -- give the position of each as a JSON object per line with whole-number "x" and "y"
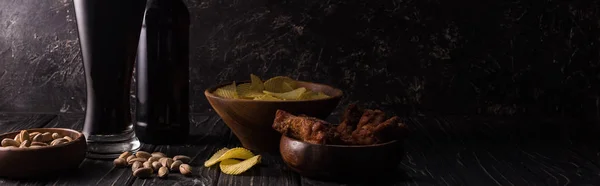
{"x": 495, "y": 57}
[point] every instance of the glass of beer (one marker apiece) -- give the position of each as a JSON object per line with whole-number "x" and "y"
{"x": 108, "y": 34}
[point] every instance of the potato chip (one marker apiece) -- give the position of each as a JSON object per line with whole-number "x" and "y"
{"x": 235, "y": 167}
{"x": 228, "y": 91}
{"x": 235, "y": 153}
{"x": 256, "y": 84}
{"x": 288, "y": 87}
{"x": 215, "y": 157}
{"x": 266, "y": 97}
{"x": 245, "y": 91}
{"x": 277, "y": 84}
{"x": 319, "y": 95}
{"x": 291, "y": 95}
{"x": 307, "y": 95}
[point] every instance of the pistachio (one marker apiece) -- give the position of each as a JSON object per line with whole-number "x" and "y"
{"x": 35, "y": 143}
{"x": 136, "y": 165}
{"x": 125, "y": 155}
{"x": 131, "y": 161}
{"x": 130, "y": 157}
{"x": 25, "y": 144}
{"x": 58, "y": 141}
{"x": 68, "y": 138}
{"x": 35, "y": 146}
{"x": 148, "y": 165}
{"x": 156, "y": 165}
{"x": 142, "y": 154}
{"x": 185, "y": 169}
{"x": 17, "y": 139}
{"x": 55, "y": 135}
{"x": 153, "y": 159}
{"x": 143, "y": 172}
{"x": 175, "y": 166}
{"x": 22, "y": 136}
{"x": 6, "y": 142}
{"x": 33, "y": 134}
{"x": 166, "y": 162}
{"x": 120, "y": 162}
{"x": 163, "y": 172}
{"x": 47, "y": 137}
{"x": 158, "y": 154}
{"x": 182, "y": 158}
{"x": 38, "y": 138}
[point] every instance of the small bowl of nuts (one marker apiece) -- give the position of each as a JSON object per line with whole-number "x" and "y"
{"x": 40, "y": 153}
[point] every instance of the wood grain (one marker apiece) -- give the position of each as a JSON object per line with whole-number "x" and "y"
{"x": 444, "y": 150}
{"x": 13, "y": 122}
{"x": 209, "y": 134}
{"x": 271, "y": 171}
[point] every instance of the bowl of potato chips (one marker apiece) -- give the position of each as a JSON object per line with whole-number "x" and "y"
{"x": 248, "y": 108}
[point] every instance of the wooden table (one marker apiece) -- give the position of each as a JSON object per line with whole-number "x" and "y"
{"x": 444, "y": 150}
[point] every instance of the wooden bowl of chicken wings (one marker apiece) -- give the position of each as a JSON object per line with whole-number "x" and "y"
{"x": 251, "y": 120}
{"x": 364, "y": 146}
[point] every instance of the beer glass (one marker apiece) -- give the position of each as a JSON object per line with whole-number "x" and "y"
{"x": 108, "y": 34}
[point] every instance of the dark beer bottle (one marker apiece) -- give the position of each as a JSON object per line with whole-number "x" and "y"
{"x": 162, "y": 74}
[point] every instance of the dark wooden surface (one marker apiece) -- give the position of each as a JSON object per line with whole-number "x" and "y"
{"x": 443, "y": 150}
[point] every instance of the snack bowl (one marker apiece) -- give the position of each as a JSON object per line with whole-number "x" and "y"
{"x": 342, "y": 162}
{"x": 251, "y": 120}
{"x": 42, "y": 162}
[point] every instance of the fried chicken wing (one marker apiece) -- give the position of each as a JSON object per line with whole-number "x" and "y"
{"x": 307, "y": 129}
{"x": 358, "y": 127}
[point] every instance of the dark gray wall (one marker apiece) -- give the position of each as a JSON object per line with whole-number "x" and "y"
{"x": 465, "y": 56}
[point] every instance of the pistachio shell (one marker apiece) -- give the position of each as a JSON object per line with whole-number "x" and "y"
{"x": 120, "y": 162}
{"x": 143, "y": 172}
{"x": 7, "y": 142}
{"x": 163, "y": 172}
{"x": 182, "y": 158}
{"x": 142, "y": 154}
{"x": 158, "y": 154}
{"x": 185, "y": 169}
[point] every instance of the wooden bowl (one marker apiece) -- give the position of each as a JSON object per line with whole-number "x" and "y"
{"x": 251, "y": 120}
{"x": 42, "y": 162}
{"x": 342, "y": 162}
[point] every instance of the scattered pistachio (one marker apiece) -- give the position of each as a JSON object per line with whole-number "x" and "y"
{"x": 156, "y": 165}
{"x": 143, "y": 172}
{"x": 142, "y": 154}
{"x": 175, "y": 166}
{"x": 166, "y": 162}
{"x": 131, "y": 161}
{"x": 153, "y": 159}
{"x": 136, "y": 165}
{"x": 125, "y": 155}
{"x": 120, "y": 162}
{"x": 182, "y": 158}
{"x": 158, "y": 154}
{"x": 148, "y": 165}
{"x": 185, "y": 169}
{"x": 163, "y": 172}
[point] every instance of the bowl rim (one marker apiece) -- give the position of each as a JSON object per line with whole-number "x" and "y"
{"x": 79, "y": 138}
{"x": 209, "y": 93}
{"x": 341, "y": 146}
